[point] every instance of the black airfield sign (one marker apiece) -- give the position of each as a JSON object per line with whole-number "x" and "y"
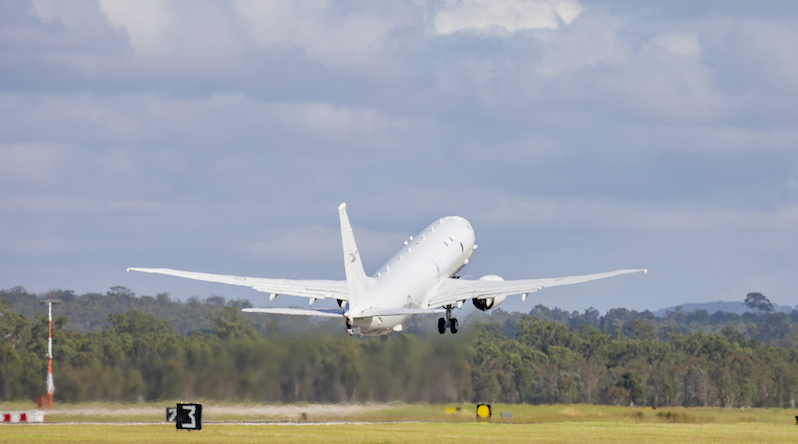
{"x": 171, "y": 414}
{"x": 188, "y": 417}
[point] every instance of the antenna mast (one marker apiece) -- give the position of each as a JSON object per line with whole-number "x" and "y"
{"x": 50, "y": 385}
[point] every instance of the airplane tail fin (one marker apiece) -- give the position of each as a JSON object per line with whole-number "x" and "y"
{"x": 355, "y": 276}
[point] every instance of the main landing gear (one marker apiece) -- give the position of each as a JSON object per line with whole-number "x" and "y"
{"x": 447, "y": 322}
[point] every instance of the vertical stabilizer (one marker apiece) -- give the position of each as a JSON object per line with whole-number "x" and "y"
{"x": 355, "y": 276}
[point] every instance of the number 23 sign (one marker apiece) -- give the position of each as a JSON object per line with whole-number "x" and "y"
{"x": 186, "y": 416}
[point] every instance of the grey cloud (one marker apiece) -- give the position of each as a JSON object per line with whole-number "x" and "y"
{"x": 652, "y": 134}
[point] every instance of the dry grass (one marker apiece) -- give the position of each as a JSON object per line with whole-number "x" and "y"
{"x": 521, "y": 413}
{"x": 526, "y": 414}
{"x": 437, "y": 423}
{"x": 415, "y": 433}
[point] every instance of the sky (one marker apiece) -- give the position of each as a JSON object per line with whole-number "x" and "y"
{"x": 576, "y": 136}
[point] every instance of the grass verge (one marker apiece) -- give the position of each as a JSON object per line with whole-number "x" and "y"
{"x": 456, "y": 413}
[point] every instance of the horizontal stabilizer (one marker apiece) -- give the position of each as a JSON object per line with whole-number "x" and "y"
{"x": 323, "y": 312}
{"x": 398, "y": 311}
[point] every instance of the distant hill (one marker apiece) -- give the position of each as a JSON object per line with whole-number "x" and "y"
{"x": 724, "y": 306}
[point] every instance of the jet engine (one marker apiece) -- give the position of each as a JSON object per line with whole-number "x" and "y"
{"x": 488, "y": 303}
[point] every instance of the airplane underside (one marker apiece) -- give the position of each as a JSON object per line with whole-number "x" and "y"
{"x": 375, "y": 325}
{"x": 383, "y": 325}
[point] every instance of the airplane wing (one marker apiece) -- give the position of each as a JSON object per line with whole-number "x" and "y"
{"x": 323, "y": 312}
{"x": 455, "y": 290}
{"x": 316, "y": 289}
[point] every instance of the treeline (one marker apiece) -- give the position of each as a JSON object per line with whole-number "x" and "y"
{"x": 140, "y": 356}
{"x": 767, "y": 327}
{"x": 550, "y": 363}
{"x": 90, "y": 312}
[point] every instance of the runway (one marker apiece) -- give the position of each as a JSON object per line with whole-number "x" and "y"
{"x": 223, "y": 423}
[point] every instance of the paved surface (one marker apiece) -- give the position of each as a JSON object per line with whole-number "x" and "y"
{"x": 204, "y": 423}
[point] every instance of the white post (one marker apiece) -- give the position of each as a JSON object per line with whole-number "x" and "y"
{"x": 50, "y": 332}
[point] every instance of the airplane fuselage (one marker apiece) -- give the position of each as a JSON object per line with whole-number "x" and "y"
{"x": 414, "y": 274}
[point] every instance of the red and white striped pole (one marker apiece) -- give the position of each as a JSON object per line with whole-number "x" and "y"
{"x": 50, "y": 384}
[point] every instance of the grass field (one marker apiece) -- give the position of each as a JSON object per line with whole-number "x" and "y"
{"x": 415, "y": 433}
{"x": 436, "y": 424}
{"x": 521, "y": 413}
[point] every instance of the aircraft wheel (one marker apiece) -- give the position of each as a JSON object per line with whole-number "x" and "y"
{"x": 453, "y": 326}
{"x": 441, "y": 326}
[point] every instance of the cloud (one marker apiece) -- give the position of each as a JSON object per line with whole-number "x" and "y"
{"x": 145, "y": 21}
{"x": 117, "y": 161}
{"x": 681, "y": 43}
{"x": 763, "y": 53}
{"x": 645, "y": 218}
{"x": 44, "y": 9}
{"x": 51, "y": 204}
{"x": 309, "y": 244}
{"x": 576, "y": 136}
{"x": 64, "y": 37}
{"x": 32, "y": 165}
{"x": 282, "y": 20}
{"x": 343, "y": 40}
{"x": 488, "y": 16}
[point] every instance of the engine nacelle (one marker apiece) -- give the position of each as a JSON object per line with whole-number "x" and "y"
{"x": 487, "y": 304}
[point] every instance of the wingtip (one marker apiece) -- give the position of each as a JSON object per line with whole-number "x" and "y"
{"x": 342, "y": 206}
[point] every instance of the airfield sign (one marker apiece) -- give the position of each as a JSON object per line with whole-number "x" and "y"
{"x": 171, "y": 414}
{"x": 188, "y": 417}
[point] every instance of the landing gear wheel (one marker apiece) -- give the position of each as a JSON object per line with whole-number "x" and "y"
{"x": 441, "y": 326}
{"x": 453, "y": 325}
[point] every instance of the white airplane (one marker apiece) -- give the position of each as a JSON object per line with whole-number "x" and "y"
{"x": 420, "y": 279}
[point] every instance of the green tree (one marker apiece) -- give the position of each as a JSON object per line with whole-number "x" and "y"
{"x": 229, "y": 324}
{"x": 633, "y": 384}
{"x": 642, "y": 329}
{"x": 759, "y": 302}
